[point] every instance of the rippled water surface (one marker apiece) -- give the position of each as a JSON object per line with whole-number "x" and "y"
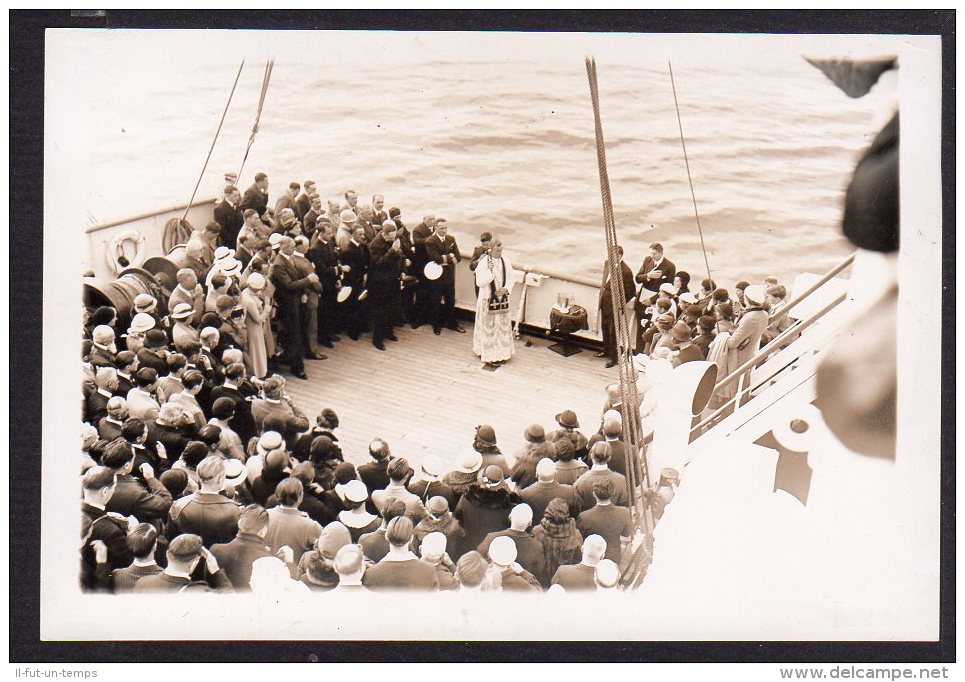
{"x": 498, "y": 137}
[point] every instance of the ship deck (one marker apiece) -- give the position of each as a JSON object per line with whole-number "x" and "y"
{"x": 426, "y": 394}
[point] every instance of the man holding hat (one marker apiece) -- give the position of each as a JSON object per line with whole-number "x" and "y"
{"x": 528, "y": 551}
{"x": 184, "y": 554}
{"x": 290, "y": 285}
{"x": 420, "y": 234}
{"x": 433, "y": 552}
{"x": 385, "y": 273}
{"x": 321, "y": 252}
{"x": 515, "y": 578}
{"x": 441, "y": 248}
{"x": 582, "y": 576}
{"x": 355, "y": 256}
{"x": 228, "y": 215}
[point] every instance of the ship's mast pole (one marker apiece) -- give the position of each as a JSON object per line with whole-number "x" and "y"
{"x": 638, "y": 475}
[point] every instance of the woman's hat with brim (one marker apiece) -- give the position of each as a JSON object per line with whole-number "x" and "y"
{"x": 235, "y": 472}
{"x": 567, "y": 419}
{"x": 680, "y": 332}
{"x": 181, "y": 311}
{"x": 469, "y": 462}
{"x": 144, "y": 303}
{"x": 432, "y": 270}
{"x": 256, "y": 281}
{"x": 141, "y": 323}
{"x": 534, "y": 433}
{"x": 221, "y": 253}
{"x": 433, "y": 466}
{"x": 755, "y": 293}
{"x": 231, "y": 266}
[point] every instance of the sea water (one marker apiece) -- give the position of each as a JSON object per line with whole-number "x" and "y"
{"x": 498, "y": 140}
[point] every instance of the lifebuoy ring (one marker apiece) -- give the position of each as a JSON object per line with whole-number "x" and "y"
{"x": 117, "y": 258}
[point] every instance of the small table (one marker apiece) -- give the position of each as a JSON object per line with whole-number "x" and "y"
{"x": 567, "y": 323}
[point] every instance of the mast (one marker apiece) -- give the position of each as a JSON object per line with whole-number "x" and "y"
{"x": 638, "y": 474}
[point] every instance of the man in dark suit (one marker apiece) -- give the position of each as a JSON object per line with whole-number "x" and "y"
{"x": 142, "y": 541}
{"x": 303, "y": 202}
{"x": 385, "y": 272}
{"x": 581, "y": 576}
{"x": 379, "y": 215}
{"x": 287, "y": 200}
{"x": 420, "y": 233}
{"x": 401, "y": 569}
{"x": 323, "y": 256}
{"x": 184, "y": 554}
{"x": 310, "y": 219}
{"x": 130, "y": 498}
{"x": 356, "y": 257}
{"x": 410, "y": 275}
{"x": 540, "y": 494}
{"x": 95, "y": 406}
{"x": 529, "y": 550}
{"x": 289, "y": 287}
{"x": 103, "y": 537}
{"x": 607, "y": 520}
{"x": 238, "y": 390}
{"x": 654, "y": 271}
{"x": 606, "y": 307}
{"x": 237, "y": 556}
{"x": 256, "y": 196}
{"x": 441, "y": 247}
{"x": 229, "y": 216}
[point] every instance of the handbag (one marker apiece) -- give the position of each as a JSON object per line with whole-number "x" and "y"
{"x": 498, "y": 304}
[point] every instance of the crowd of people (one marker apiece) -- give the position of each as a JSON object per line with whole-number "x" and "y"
{"x": 200, "y": 472}
{"x": 673, "y": 323}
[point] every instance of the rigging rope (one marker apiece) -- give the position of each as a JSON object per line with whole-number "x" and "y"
{"x": 690, "y": 179}
{"x": 637, "y": 470}
{"x": 269, "y": 65}
{"x": 217, "y": 132}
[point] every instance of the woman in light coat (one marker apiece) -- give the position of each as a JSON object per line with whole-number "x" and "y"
{"x": 256, "y": 317}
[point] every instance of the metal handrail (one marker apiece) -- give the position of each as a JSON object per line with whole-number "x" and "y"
{"x": 141, "y": 216}
{"x": 775, "y": 343}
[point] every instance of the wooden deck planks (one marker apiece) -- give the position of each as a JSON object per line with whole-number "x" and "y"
{"x": 426, "y": 394}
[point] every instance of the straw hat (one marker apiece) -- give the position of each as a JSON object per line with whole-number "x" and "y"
{"x": 182, "y": 310}
{"x": 755, "y": 293}
{"x": 141, "y": 323}
{"x": 469, "y": 462}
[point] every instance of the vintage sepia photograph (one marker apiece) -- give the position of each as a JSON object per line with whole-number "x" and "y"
{"x": 489, "y": 336}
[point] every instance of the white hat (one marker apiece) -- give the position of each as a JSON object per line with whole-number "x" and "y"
{"x": 141, "y": 323}
{"x": 256, "y": 281}
{"x": 607, "y": 573}
{"x": 469, "y": 462}
{"x": 433, "y": 466}
{"x": 688, "y": 298}
{"x": 432, "y": 270}
{"x": 640, "y": 362}
{"x": 348, "y": 216}
{"x": 144, "y": 303}
{"x": 668, "y": 288}
{"x": 355, "y": 491}
{"x": 755, "y": 293}
{"x": 613, "y": 414}
{"x": 546, "y": 468}
{"x": 235, "y": 471}
{"x": 274, "y": 238}
{"x": 182, "y": 310}
{"x": 270, "y": 440}
{"x": 502, "y": 550}
{"x": 343, "y": 294}
{"x": 102, "y": 334}
{"x": 433, "y": 544}
{"x": 221, "y": 253}
{"x": 230, "y": 266}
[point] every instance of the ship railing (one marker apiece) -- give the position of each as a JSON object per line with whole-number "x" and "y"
{"x": 783, "y": 351}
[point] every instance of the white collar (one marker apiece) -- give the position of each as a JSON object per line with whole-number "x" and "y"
{"x": 228, "y": 384}
{"x": 144, "y": 562}
{"x": 104, "y": 392}
{"x": 101, "y": 346}
{"x": 114, "y": 421}
{"x": 176, "y": 574}
{"x": 395, "y": 555}
{"x": 600, "y": 467}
